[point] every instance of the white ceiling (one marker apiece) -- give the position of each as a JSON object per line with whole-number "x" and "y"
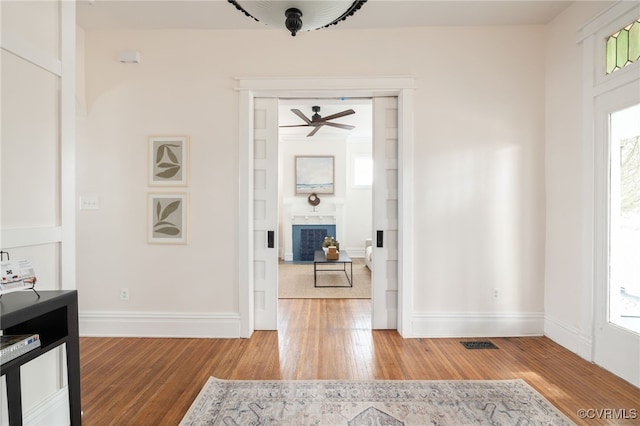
{"x": 219, "y": 14}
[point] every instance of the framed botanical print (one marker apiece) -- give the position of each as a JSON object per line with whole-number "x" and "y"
{"x": 167, "y": 218}
{"x": 168, "y": 160}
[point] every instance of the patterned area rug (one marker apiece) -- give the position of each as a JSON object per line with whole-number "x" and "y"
{"x": 325, "y": 402}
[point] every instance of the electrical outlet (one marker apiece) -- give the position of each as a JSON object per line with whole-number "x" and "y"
{"x": 495, "y": 293}
{"x": 124, "y": 293}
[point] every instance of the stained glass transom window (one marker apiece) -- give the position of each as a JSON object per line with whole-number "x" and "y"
{"x": 623, "y": 47}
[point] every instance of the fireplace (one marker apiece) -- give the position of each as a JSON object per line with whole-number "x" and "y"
{"x": 308, "y": 238}
{"x": 295, "y": 216}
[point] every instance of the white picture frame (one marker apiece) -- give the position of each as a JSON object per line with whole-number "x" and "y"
{"x": 315, "y": 174}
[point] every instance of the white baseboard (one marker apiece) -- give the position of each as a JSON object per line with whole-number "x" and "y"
{"x": 53, "y": 411}
{"x": 570, "y": 337}
{"x": 426, "y": 324}
{"x": 158, "y": 324}
{"x": 355, "y": 253}
{"x": 480, "y": 324}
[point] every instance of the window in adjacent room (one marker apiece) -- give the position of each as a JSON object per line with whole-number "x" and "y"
{"x": 362, "y": 171}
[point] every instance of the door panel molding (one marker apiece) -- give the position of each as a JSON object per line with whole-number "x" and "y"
{"x": 265, "y": 213}
{"x": 384, "y": 285}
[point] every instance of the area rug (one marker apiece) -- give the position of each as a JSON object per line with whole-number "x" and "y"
{"x": 295, "y": 281}
{"x": 325, "y": 402}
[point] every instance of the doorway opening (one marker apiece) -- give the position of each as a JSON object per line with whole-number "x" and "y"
{"x": 393, "y": 120}
{"x": 325, "y": 183}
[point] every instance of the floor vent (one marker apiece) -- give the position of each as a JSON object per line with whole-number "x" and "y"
{"x": 479, "y": 345}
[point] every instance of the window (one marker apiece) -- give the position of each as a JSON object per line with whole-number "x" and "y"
{"x": 362, "y": 172}
{"x": 623, "y": 47}
{"x": 624, "y": 218}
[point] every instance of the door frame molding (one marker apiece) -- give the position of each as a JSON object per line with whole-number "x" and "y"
{"x": 305, "y": 87}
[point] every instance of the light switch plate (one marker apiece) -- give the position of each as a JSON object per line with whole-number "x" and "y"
{"x": 89, "y": 203}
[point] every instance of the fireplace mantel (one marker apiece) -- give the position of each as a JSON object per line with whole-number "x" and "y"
{"x": 313, "y": 218}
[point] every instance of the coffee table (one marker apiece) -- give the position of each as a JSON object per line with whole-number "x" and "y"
{"x": 319, "y": 258}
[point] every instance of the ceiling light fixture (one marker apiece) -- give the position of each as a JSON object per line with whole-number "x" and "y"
{"x": 300, "y": 15}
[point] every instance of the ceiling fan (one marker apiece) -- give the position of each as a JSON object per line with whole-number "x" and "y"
{"x": 318, "y": 121}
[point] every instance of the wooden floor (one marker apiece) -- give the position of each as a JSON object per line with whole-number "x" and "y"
{"x": 144, "y": 381}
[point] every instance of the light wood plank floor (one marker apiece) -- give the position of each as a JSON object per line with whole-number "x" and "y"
{"x": 145, "y": 381}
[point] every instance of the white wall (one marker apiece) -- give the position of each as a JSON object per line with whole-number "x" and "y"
{"x": 479, "y": 183}
{"x": 568, "y": 293}
{"x": 479, "y": 166}
{"x": 37, "y": 58}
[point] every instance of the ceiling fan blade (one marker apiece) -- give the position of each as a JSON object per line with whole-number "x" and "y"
{"x": 301, "y": 115}
{"x": 338, "y": 115}
{"x": 296, "y": 125}
{"x": 340, "y": 126}
{"x": 314, "y": 131}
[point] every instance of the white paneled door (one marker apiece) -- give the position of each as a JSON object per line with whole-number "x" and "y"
{"x": 385, "y": 213}
{"x": 265, "y": 213}
{"x": 617, "y": 275}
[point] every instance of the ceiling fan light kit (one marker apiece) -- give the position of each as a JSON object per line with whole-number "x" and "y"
{"x": 293, "y": 21}
{"x": 300, "y": 15}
